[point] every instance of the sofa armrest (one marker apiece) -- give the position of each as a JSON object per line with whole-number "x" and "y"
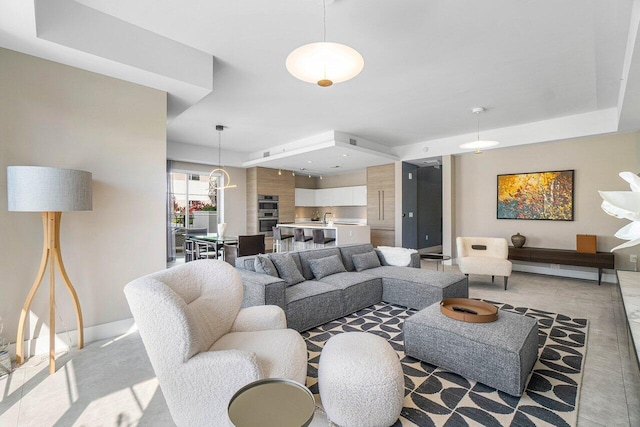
{"x": 259, "y": 318}
{"x": 262, "y": 289}
{"x": 415, "y": 260}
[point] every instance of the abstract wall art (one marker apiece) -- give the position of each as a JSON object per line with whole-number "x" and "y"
{"x": 537, "y": 195}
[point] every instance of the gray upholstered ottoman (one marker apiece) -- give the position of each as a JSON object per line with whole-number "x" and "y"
{"x": 499, "y": 354}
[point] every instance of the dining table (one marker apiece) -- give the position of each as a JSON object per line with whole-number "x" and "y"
{"x": 198, "y": 246}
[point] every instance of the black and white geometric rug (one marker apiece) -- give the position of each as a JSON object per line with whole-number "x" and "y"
{"x": 435, "y": 397}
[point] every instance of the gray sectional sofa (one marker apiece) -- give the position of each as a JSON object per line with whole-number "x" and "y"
{"x": 316, "y": 286}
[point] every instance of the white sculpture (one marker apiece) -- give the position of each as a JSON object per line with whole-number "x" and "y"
{"x": 625, "y": 204}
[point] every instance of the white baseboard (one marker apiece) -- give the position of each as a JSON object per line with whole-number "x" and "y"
{"x": 573, "y": 272}
{"x": 67, "y": 339}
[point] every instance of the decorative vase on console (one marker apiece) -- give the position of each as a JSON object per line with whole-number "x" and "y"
{"x": 221, "y": 228}
{"x": 518, "y": 240}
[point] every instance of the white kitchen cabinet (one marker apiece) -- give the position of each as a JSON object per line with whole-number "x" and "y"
{"x": 305, "y": 197}
{"x": 323, "y": 197}
{"x": 359, "y": 195}
{"x": 340, "y": 196}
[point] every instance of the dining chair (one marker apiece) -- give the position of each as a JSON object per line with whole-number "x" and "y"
{"x": 191, "y": 247}
{"x": 247, "y": 245}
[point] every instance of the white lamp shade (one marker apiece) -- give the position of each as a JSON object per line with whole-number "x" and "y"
{"x": 45, "y": 189}
{"x": 315, "y": 62}
{"x": 478, "y": 145}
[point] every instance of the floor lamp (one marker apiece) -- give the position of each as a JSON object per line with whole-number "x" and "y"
{"x": 50, "y": 191}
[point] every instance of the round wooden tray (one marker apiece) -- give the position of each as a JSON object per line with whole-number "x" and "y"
{"x": 479, "y": 311}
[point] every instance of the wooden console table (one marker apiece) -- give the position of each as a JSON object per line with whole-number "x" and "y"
{"x": 598, "y": 260}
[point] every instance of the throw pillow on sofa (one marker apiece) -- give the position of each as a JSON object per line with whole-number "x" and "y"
{"x": 263, "y": 265}
{"x": 322, "y": 267}
{"x": 365, "y": 261}
{"x": 287, "y": 269}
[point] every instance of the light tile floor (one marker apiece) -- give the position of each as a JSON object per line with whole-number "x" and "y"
{"x": 111, "y": 383}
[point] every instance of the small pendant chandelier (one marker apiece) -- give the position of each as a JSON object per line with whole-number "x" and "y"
{"x": 478, "y": 145}
{"x": 324, "y": 63}
{"x": 214, "y": 176}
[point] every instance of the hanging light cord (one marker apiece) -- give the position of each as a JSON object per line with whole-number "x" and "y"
{"x": 324, "y": 20}
{"x": 478, "y": 121}
{"x": 219, "y": 150}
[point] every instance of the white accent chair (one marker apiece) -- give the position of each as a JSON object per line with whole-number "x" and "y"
{"x": 203, "y": 347}
{"x": 484, "y": 255}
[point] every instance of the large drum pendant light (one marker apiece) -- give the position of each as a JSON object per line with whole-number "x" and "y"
{"x": 324, "y": 63}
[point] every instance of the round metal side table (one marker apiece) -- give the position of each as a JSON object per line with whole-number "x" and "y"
{"x": 273, "y": 402}
{"x": 438, "y": 258}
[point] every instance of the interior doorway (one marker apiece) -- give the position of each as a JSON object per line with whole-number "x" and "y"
{"x": 422, "y": 205}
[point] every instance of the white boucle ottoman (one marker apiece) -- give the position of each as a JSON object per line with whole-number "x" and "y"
{"x": 360, "y": 380}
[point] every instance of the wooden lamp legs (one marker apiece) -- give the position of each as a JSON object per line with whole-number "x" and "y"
{"x": 50, "y": 255}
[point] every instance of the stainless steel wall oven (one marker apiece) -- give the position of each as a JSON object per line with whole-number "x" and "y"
{"x": 267, "y": 213}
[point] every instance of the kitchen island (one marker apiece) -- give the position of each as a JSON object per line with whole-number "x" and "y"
{"x": 344, "y": 233}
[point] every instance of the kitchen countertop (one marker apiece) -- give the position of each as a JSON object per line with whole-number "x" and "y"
{"x": 319, "y": 224}
{"x": 629, "y": 282}
{"x": 344, "y": 233}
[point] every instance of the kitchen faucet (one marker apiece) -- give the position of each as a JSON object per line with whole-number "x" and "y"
{"x": 324, "y": 217}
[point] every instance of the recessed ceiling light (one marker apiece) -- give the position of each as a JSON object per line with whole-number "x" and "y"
{"x": 309, "y": 161}
{"x": 345, "y": 155}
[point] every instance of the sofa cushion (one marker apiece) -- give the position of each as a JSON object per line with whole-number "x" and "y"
{"x": 264, "y": 265}
{"x": 326, "y": 266}
{"x": 246, "y": 263}
{"x": 287, "y": 268}
{"x": 306, "y": 256}
{"x": 296, "y": 259}
{"x": 312, "y": 303}
{"x": 349, "y": 250}
{"x": 365, "y": 260}
{"x": 359, "y": 290}
{"x": 417, "y": 288}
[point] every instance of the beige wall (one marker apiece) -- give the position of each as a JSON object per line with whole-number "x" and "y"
{"x": 341, "y": 212}
{"x": 596, "y": 161}
{"x": 348, "y": 179}
{"x": 55, "y": 115}
{"x": 343, "y": 180}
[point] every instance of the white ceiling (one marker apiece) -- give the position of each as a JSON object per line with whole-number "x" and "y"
{"x": 547, "y": 65}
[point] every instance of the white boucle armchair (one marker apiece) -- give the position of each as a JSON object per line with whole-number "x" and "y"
{"x": 484, "y": 255}
{"x": 203, "y": 347}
